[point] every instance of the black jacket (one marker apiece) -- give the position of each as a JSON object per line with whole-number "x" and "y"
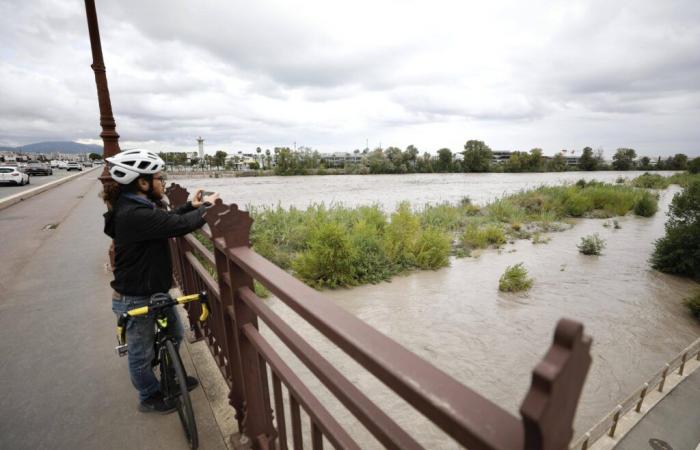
{"x": 141, "y": 251}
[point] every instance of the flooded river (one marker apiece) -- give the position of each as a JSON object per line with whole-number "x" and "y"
{"x": 458, "y": 320}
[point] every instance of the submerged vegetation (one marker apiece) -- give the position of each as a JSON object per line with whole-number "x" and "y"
{"x": 591, "y": 244}
{"x": 334, "y": 246}
{"x": 693, "y": 304}
{"x": 515, "y": 279}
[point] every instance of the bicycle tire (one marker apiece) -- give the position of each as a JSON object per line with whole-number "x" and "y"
{"x": 174, "y": 386}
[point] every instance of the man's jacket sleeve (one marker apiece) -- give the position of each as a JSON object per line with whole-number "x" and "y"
{"x": 146, "y": 224}
{"x": 187, "y": 207}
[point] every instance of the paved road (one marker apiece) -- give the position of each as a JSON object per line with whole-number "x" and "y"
{"x": 673, "y": 424}
{"x": 7, "y": 190}
{"x": 61, "y": 385}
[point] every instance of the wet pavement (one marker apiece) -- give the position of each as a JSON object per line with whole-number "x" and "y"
{"x": 61, "y": 384}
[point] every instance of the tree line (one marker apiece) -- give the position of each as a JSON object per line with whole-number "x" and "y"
{"x": 476, "y": 156}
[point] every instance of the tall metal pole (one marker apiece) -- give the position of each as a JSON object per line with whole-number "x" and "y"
{"x": 110, "y": 138}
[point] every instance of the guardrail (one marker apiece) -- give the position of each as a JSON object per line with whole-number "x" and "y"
{"x": 608, "y": 425}
{"x": 227, "y": 266}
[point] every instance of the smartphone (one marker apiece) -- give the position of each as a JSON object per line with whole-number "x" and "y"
{"x": 203, "y": 194}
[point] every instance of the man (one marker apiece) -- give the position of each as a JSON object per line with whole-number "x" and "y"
{"x": 142, "y": 264}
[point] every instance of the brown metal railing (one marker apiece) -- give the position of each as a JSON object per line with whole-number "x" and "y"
{"x": 608, "y": 425}
{"x": 244, "y": 356}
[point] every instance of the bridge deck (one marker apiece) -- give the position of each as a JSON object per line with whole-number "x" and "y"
{"x": 61, "y": 384}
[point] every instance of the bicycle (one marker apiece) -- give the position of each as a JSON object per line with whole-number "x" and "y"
{"x": 166, "y": 356}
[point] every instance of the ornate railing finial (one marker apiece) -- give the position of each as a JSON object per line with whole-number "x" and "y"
{"x": 550, "y": 404}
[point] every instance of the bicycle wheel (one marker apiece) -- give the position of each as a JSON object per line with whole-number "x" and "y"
{"x": 174, "y": 386}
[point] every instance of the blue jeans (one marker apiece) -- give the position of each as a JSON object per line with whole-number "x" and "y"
{"x": 140, "y": 333}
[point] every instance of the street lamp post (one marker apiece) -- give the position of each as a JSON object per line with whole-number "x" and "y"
{"x": 110, "y": 138}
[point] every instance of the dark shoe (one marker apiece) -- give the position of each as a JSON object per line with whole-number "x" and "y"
{"x": 156, "y": 403}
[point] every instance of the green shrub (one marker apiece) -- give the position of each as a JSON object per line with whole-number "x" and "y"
{"x": 370, "y": 261}
{"x": 577, "y": 204}
{"x": 433, "y": 249}
{"x": 651, "y": 181}
{"x": 693, "y": 304}
{"x": 678, "y": 252}
{"x": 400, "y": 237}
{"x": 476, "y": 236}
{"x": 328, "y": 260}
{"x": 591, "y": 245}
{"x": 515, "y": 279}
{"x": 645, "y": 206}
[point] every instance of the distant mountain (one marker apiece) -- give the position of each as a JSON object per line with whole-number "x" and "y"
{"x": 58, "y": 146}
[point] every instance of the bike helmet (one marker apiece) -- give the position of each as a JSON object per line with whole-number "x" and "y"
{"x": 126, "y": 166}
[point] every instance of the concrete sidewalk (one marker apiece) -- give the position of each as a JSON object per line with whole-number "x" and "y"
{"x": 61, "y": 384}
{"x": 674, "y": 423}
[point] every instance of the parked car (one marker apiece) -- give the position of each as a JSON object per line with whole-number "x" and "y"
{"x": 72, "y": 165}
{"x": 87, "y": 164}
{"x": 62, "y": 165}
{"x": 15, "y": 175}
{"x": 54, "y": 164}
{"x": 36, "y": 168}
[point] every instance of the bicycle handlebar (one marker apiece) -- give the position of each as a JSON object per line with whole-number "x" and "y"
{"x": 167, "y": 302}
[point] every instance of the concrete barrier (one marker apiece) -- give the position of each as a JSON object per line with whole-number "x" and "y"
{"x": 21, "y": 196}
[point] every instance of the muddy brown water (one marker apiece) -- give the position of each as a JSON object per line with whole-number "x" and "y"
{"x": 457, "y": 319}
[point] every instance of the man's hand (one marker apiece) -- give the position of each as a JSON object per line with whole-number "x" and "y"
{"x": 199, "y": 198}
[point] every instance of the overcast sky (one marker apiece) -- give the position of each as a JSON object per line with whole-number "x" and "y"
{"x": 331, "y": 75}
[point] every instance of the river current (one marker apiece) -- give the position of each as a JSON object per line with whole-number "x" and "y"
{"x": 457, "y": 319}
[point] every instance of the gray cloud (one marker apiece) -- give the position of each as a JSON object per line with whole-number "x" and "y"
{"x": 270, "y": 73}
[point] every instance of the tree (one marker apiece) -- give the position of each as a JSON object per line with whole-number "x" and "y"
{"x": 587, "y": 160}
{"x": 410, "y": 156}
{"x": 444, "y": 162}
{"x": 679, "y": 162}
{"x": 678, "y": 252}
{"x": 624, "y": 159}
{"x": 395, "y": 157}
{"x": 645, "y": 163}
{"x": 477, "y": 156}
{"x": 94, "y": 156}
{"x": 220, "y": 158}
{"x": 378, "y": 162}
{"x": 535, "y": 161}
{"x": 557, "y": 163}
{"x": 694, "y": 165}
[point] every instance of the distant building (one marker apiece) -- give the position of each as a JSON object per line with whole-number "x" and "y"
{"x": 340, "y": 159}
{"x": 500, "y": 156}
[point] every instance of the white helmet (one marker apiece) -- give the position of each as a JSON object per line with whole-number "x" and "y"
{"x": 127, "y": 166}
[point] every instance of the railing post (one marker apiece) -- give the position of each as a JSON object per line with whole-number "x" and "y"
{"x": 683, "y": 360}
{"x": 234, "y": 226}
{"x": 177, "y": 196}
{"x": 550, "y": 404}
{"x": 663, "y": 378}
{"x": 641, "y": 397}
{"x": 616, "y": 419}
{"x": 584, "y": 446}
{"x": 223, "y": 320}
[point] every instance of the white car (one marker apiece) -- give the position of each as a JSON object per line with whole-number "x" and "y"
{"x": 74, "y": 166}
{"x": 11, "y": 174}
{"x": 62, "y": 165}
